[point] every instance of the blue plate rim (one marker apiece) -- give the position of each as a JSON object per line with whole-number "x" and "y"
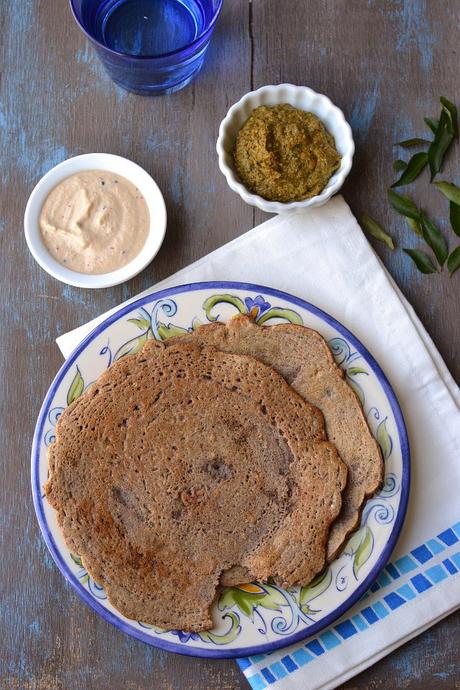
{"x": 180, "y": 648}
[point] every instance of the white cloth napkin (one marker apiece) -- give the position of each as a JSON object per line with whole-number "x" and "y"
{"x": 323, "y": 257}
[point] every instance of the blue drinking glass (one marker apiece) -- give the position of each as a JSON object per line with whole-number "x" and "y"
{"x": 149, "y": 46}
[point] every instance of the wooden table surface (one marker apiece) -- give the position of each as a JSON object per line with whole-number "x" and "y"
{"x": 385, "y": 63}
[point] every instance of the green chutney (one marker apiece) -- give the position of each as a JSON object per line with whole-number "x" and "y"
{"x": 284, "y": 154}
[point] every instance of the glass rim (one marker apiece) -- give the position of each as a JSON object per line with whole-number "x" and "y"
{"x": 158, "y": 56}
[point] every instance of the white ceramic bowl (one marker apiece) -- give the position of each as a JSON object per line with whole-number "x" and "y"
{"x": 96, "y": 161}
{"x": 300, "y": 97}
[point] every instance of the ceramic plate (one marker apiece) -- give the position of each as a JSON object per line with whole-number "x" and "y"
{"x": 255, "y": 618}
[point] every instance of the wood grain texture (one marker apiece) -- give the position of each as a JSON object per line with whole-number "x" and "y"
{"x": 385, "y": 63}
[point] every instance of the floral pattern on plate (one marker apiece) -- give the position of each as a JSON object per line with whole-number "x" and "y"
{"x": 256, "y": 617}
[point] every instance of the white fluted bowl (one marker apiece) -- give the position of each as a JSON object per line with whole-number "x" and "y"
{"x": 300, "y": 97}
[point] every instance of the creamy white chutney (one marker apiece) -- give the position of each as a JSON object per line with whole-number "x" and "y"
{"x": 94, "y": 222}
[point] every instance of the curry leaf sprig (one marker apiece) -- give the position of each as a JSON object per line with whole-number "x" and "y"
{"x": 423, "y": 226}
{"x": 420, "y": 223}
{"x": 445, "y": 130}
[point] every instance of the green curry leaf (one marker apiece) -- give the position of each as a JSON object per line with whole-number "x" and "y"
{"x": 442, "y": 140}
{"x": 451, "y": 109}
{"x": 453, "y": 261}
{"x": 399, "y": 165}
{"x": 434, "y": 239}
{"x": 421, "y": 260}
{"x": 450, "y": 190}
{"x": 413, "y": 169}
{"x": 432, "y": 123}
{"x": 415, "y": 226}
{"x": 454, "y": 215}
{"x": 415, "y": 141}
{"x": 375, "y": 230}
{"x": 403, "y": 205}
